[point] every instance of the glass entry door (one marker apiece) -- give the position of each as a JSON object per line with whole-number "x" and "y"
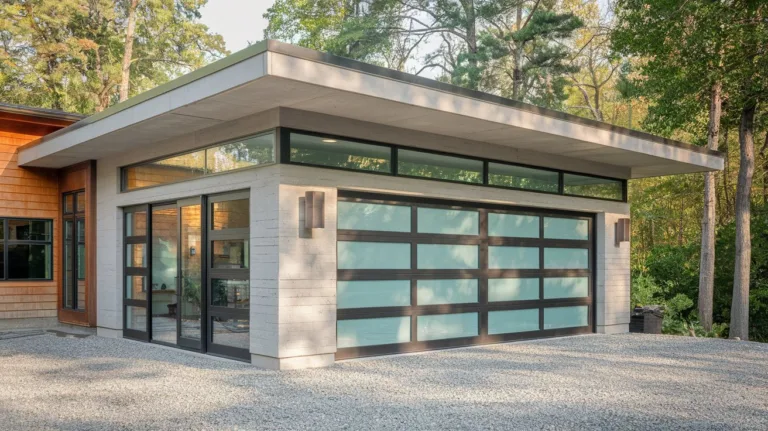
{"x": 186, "y": 268}
{"x": 228, "y": 277}
{"x": 190, "y": 298}
{"x": 176, "y": 270}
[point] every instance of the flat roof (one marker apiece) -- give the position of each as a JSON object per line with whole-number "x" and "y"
{"x": 272, "y": 74}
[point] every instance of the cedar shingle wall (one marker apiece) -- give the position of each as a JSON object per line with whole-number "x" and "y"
{"x": 27, "y": 193}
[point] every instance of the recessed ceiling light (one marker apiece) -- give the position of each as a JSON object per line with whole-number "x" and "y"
{"x": 329, "y": 141}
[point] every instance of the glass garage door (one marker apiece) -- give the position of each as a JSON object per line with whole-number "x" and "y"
{"x": 416, "y": 274}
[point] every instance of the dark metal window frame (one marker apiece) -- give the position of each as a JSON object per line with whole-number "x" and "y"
{"x": 6, "y": 242}
{"x": 227, "y": 274}
{"x": 482, "y": 274}
{"x": 284, "y": 144}
{"x": 208, "y": 311}
{"x": 136, "y": 271}
{"x": 206, "y": 174}
{"x": 77, "y": 214}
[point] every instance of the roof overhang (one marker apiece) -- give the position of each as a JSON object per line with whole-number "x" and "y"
{"x": 31, "y": 114}
{"x": 271, "y": 74}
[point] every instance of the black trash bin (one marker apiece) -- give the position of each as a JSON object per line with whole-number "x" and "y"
{"x": 653, "y": 315}
{"x": 646, "y": 320}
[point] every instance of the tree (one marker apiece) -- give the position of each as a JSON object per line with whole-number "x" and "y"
{"x": 695, "y": 52}
{"x": 125, "y": 80}
{"x": 684, "y": 65}
{"x": 78, "y": 55}
{"x": 377, "y": 32}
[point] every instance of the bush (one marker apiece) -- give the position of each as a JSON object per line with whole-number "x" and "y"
{"x": 670, "y": 277}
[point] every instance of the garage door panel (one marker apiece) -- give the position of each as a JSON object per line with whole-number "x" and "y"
{"x": 464, "y": 274}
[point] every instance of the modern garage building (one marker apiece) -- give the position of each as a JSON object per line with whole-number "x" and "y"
{"x": 291, "y": 208}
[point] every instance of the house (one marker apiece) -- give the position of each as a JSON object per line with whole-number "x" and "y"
{"x": 30, "y": 224}
{"x": 291, "y": 208}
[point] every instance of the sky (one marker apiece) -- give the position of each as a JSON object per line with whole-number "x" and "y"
{"x": 238, "y": 21}
{"x": 241, "y": 22}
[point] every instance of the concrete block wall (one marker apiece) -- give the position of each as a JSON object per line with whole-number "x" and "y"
{"x": 612, "y": 276}
{"x": 307, "y": 280}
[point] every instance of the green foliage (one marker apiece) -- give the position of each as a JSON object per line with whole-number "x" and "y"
{"x": 678, "y": 267}
{"x": 481, "y": 43}
{"x": 645, "y": 291}
{"x": 68, "y": 54}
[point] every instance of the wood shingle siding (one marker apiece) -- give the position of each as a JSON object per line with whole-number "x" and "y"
{"x": 33, "y": 193}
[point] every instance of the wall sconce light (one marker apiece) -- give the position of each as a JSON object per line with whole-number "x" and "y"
{"x": 311, "y": 213}
{"x": 622, "y": 231}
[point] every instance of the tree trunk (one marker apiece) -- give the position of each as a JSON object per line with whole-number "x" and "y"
{"x": 740, "y": 305}
{"x": 682, "y": 222}
{"x": 707, "y": 263}
{"x": 726, "y": 173}
{"x": 764, "y": 153}
{"x": 517, "y": 72}
{"x": 125, "y": 82}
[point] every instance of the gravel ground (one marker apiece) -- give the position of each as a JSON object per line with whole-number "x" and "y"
{"x": 597, "y": 381}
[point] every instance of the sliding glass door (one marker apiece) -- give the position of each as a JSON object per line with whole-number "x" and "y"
{"x": 186, "y": 285}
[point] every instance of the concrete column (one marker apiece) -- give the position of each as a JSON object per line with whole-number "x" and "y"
{"x": 612, "y": 276}
{"x": 305, "y": 304}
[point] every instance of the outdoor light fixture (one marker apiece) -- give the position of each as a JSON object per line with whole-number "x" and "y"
{"x": 311, "y": 213}
{"x": 622, "y": 231}
{"x": 329, "y": 141}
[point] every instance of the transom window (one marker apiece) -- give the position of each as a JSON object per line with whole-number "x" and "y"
{"x": 314, "y": 149}
{"x": 355, "y": 155}
{"x": 237, "y": 154}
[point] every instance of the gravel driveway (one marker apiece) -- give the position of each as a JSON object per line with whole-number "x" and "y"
{"x": 595, "y": 381}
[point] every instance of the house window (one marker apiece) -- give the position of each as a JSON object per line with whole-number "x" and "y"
{"x": 339, "y": 153}
{"x": 593, "y": 187}
{"x": 329, "y": 151}
{"x": 223, "y": 157}
{"x": 73, "y": 257}
{"x": 26, "y": 253}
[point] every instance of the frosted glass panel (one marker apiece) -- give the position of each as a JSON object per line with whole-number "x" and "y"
{"x": 512, "y": 289}
{"x": 446, "y": 291}
{"x": 566, "y": 258}
{"x": 447, "y": 256}
{"x": 442, "y": 326}
{"x": 514, "y": 225}
{"x": 513, "y": 257}
{"x": 566, "y": 287}
{"x": 566, "y": 317}
{"x": 373, "y": 255}
{"x": 366, "y": 216}
{"x": 510, "y": 321}
{"x": 566, "y": 228}
{"x": 372, "y": 332}
{"x": 453, "y": 222}
{"x": 361, "y": 294}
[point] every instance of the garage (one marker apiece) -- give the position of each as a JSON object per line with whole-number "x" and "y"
{"x": 419, "y": 274}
